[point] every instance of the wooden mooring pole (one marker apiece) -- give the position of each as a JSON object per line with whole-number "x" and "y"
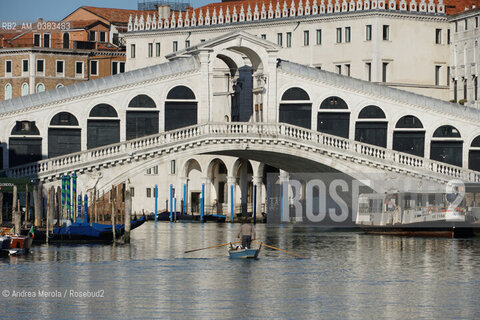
{"x": 128, "y": 215}
{"x": 112, "y": 216}
{"x": 37, "y": 203}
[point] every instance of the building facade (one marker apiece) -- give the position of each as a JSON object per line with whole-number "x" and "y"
{"x": 398, "y": 43}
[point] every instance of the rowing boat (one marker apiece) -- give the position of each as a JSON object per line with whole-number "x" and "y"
{"x": 239, "y": 253}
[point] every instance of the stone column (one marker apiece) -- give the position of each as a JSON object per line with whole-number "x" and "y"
{"x": 284, "y": 209}
{"x": 258, "y": 182}
{"x": 231, "y": 182}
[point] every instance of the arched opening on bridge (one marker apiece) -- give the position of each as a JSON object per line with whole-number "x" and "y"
{"x": 193, "y": 174}
{"x": 103, "y": 126}
{"x": 25, "y": 145}
{"x": 474, "y": 155}
{"x": 180, "y": 108}
{"x": 446, "y": 145}
{"x": 217, "y": 176}
{"x": 409, "y": 136}
{"x": 64, "y": 135}
{"x": 142, "y": 117}
{"x": 371, "y": 126}
{"x": 243, "y": 173}
{"x": 333, "y": 117}
{"x": 296, "y": 108}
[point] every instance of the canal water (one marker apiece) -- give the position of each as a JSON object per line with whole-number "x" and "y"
{"x": 347, "y": 275}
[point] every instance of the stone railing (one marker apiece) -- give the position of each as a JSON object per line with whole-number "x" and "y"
{"x": 230, "y": 12}
{"x": 236, "y": 132}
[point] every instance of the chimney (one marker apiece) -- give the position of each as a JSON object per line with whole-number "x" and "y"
{"x": 163, "y": 11}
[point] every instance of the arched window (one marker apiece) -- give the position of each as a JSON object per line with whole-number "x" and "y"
{"x": 25, "y": 143}
{"x": 296, "y": 108}
{"x": 409, "y": 136}
{"x": 334, "y": 117}
{"x": 180, "y": 108}
{"x": 64, "y": 135}
{"x": 103, "y": 126}
{"x": 141, "y": 119}
{"x": 25, "y": 90}
{"x": 60, "y": 85}
{"x": 371, "y": 126}
{"x": 474, "y": 155}
{"x": 447, "y": 146}
{"x": 40, "y": 87}
{"x": 66, "y": 40}
{"x": 8, "y": 91}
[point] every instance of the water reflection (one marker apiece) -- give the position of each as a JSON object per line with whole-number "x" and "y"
{"x": 347, "y": 275}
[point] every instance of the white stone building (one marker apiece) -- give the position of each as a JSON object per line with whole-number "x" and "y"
{"x": 402, "y": 44}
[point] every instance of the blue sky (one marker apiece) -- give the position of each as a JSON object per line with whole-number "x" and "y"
{"x": 54, "y": 10}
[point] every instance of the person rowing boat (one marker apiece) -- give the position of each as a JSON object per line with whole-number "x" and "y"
{"x": 247, "y": 231}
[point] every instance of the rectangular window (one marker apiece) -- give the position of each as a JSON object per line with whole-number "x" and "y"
{"x": 8, "y": 66}
{"x": 386, "y": 32}
{"x": 122, "y": 67}
{"x": 94, "y": 67}
{"x": 264, "y": 36}
{"x": 149, "y": 171}
{"x": 438, "y": 36}
{"x": 114, "y": 67}
{"x": 24, "y": 65}
{"x": 280, "y": 39}
{"x": 475, "y": 88}
{"x": 202, "y": 40}
{"x": 155, "y": 170}
{"x": 132, "y": 192}
{"x": 465, "y": 89}
{"x": 339, "y": 35}
{"x": 175, "y": 46}
{"x": 149, "y": 192}
{"x": 79, "y": 68}
{"x": 347, "y": 70}
{"x": 338, "y": 69}
{"x": 36, "y": 40}
{"x": 476, "y": 22}
{"x": 40, "y": 66}
{"x": 347, "y": 34}
{"x": 466, "y": 24}
{"x": 448, "y": 36}
{"x": 132, "y": 51}
{"x": 384, "y": 71}
{"x": 368, "y": 32}
{"x": 319, "y": 36}
{"x": 437, "y": 75}
{"x": 46, "y": 40}
{"x": 448, "y": 76}
{"x": 187, "y": 43}
{"x": 306, "y": 38}
{"x": 150, "y": 50}
{"x": 172, "y": 167}
{"x": 91, "y": 36}
{"x": 60, "y": 68}
{"x": 368, "y": 71}
{"x": 157, "y": 49}
{"x": 289, "y": 39}
{"x": 103, "y": 36}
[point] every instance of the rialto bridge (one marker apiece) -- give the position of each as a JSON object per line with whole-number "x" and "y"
{"x": 224, "y": 113}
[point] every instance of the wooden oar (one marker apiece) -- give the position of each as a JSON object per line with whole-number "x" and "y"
{"x": 218, "y": 245}
{"x": 289, "y": 252}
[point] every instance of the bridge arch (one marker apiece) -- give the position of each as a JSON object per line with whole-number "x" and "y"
{"x": 141, "y": 117}
{"x": 447, "y": 145}
{"x": 64, "y": 135}
{"x": 192, "y": 171}
{"x": 371, "y": 126}
{"x": 217, "y": 174}
{"x": 103, "y": 126}
{"x": 474, "y": 154}
{"x": 25, "y": 143}
{"x": 181, "y": 108}
{"x": 409, "y": 136}
{"x": 333, "y": 117}
{"x": 296, "y": 107}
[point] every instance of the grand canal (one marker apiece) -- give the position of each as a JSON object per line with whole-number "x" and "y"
{"x": 346, "y": 275}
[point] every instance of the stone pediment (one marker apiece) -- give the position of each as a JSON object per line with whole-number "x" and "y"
{"x": 234, "y": 39}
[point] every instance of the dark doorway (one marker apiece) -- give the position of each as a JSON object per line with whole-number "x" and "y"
{"x": 195, "y": 202}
